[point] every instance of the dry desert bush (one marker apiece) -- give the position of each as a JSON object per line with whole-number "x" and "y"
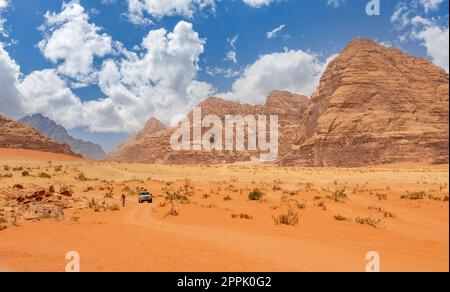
{"x": 289, "y": 218}
{"x": 242, "y": 216}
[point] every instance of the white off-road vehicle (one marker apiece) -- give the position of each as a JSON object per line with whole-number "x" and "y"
{"x": 145, "y": 196}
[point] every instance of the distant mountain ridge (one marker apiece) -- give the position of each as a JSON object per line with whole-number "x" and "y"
{"x": 59, "y": 134}
{"x": 17, "y": 135}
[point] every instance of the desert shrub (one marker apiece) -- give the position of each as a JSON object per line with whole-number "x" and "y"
{"x": 414, "y": 196}
{"x": 301, "y": 205}
{"x": 109, "y": 194}
{"x": 20, "y": 168}
{"x": 322, "y": 205}
{"x": 242, "y": 216}
{"x": 290, "y": 218}
{"x": 381, "y": 197}
{"x": 81, "y": 177}
{"x": 88, "y": 189}
{"x": 44, "y": 175}
{"x": 368, "y": 221}
{"x": 8, "y": 175}
{"x": 340, "y": 218}
{"x": 445, "y": 199}
{"x": 255, "y": 195}
{"x": 25, "y": 173}
{"x": 6, "y": 168}
{"x": 58, "y": 168}
{"x": 227, "y": 198}
{"x": 339, "y": 195}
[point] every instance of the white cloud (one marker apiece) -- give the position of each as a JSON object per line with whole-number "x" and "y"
{"x": 162, "y": 83}
{"x": 73, "y": 43}
{"x": 432, "y": 33}
{"x": 431, "y": 5}
{"x": 274, "y": 33}
{"x": 45, "y": 92}
{"x": 335, "y": 3}
{"x": 233, "y": 41}
{"x": 258, "y": 3}
{"x": 295, "y": 71}
{"x": 3, "y": 5}
{"x": 160, "y": 8}
{"x": 10, "y": 98}
{"x": 231, "y": 56}
{"x": 435, "y": 39}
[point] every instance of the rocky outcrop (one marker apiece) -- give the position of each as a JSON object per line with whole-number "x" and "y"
{"x": 59, "y": 134}
{"x": 152, "y": 144}
{"x": 375, "y": 105}
{"x": 17, "y": 135}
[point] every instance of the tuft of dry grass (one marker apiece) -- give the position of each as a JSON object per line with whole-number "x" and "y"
{"x": 414, "y": 196}
{"x": 290, "y": 218}
{"x": 368, "y": 221}
{"x": 242, "y": 216}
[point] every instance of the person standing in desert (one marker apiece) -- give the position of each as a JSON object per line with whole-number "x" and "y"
{"x": 123, "y": 199}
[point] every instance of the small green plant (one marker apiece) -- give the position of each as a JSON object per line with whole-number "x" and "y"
{"x": 255, "y": 195}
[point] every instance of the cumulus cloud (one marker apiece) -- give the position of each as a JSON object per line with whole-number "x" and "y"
{"x": 73, "y": 43}
{"x": 160, "y": 8}
{"x": 435, "y": 39}
{"x": 432, "y": 33}
{"x": 157, "y": 83}
{"x": 10, "y": 98}
{"x": 295, "y": 71}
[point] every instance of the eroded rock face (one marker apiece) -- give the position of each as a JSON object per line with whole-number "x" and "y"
{"x": 375, "y": 105}
{"x": 17, "y": 135}
{"x": 152, "y": 144}
{"x": 59, "y": 134}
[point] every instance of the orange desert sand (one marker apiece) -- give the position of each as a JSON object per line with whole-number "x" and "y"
{"x": 401, "y": 212}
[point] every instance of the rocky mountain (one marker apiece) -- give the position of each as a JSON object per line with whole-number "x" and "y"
{"x": 18, "y": 135}
{"x": 152, "y": 144}
{"x": 374, "y": 105}
{"x": 59, "y": 134}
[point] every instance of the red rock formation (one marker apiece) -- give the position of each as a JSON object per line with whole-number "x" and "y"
{"x": 17, "y": 135}
{"x": 152, "y": 144}
{"x": 375, "y": 105}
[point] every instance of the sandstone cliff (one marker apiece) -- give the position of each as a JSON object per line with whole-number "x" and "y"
{"x": 21, "y": 136}
{"x": 375, "y": 105}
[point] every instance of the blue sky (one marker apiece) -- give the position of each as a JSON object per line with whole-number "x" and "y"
{"x": 304, "y": 32}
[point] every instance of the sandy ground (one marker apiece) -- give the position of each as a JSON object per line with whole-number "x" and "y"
{"x": 412, "y": 235}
